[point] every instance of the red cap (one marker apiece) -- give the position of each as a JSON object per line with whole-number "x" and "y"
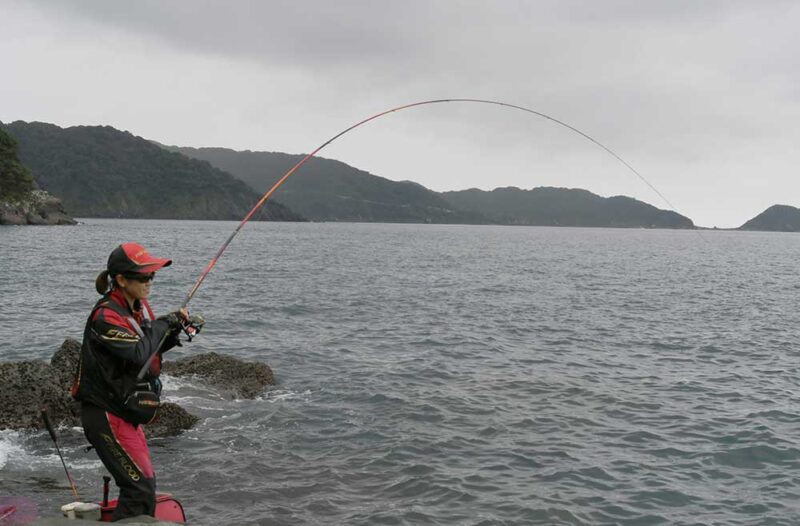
{"x": 133, "y": 258}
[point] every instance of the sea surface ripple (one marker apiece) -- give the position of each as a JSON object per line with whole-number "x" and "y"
{"x": 432, "y": 374}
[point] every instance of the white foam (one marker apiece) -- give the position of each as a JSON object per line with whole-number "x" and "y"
{"x": 13, "y": 454}
{"x": 187, "y": 388}
{"x": 10, "y": 447}
{"x": 282, "y": 396}
{"x": 172, "y": 383}
{"x": 191, "y": 401}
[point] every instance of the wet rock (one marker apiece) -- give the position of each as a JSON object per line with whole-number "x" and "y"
{"x": 171, "y": 420}
{"x": 239, "y": 378}
{"x": 28, "y": 387}
{"x": 65, "y": 361}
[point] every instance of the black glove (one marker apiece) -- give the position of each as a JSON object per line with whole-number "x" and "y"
{"x": 174, "y": 321}
{"x": 173, "y": 340}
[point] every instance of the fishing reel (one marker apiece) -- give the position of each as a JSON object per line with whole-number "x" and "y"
{"x": 192, "y": 326}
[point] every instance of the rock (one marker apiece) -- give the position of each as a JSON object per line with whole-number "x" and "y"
{"x": 65, "y": 361}
{"x": 28, "y": 387}
{"x": 35, "y": 219}
{"x": 52, "y": 211}
{"x": 12, "y": 215}
{"x": 37, "y": 208}
{"x": 241, "y": 379}
{"x": 171, "y": 420}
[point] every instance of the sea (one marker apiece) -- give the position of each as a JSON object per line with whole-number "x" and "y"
{"x": 445, "y": 374}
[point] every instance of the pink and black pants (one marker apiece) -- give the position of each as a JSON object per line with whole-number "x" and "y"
{"x": 122, "y": 448}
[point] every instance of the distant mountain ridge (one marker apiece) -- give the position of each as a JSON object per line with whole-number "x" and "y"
{"x": 329, "y": 190}
{"x": 549, "y": 206}
{"x": 99, "y": 171}
{"x": 777, "y": 218}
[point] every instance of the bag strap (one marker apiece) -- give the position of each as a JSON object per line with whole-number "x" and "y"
{"x": 113, "y": 305}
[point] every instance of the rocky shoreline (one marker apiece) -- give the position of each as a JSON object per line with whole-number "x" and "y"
{"x": 28, "y": 386}
{"x": 38, "y": 208}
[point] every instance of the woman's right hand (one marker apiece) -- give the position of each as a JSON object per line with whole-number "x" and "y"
{"x": 174, "y": 319}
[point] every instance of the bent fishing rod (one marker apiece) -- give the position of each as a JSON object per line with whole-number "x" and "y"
{"x": 297, "y": 166}
{"x": 305, "y": 159}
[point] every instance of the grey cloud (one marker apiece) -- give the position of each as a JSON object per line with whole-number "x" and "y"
{"x": 681, "y": 84}
{"x": 277, "y": 31}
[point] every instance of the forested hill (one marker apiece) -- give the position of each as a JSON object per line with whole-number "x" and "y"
{"x": 328, "y": 190}
{"x": 547, "y": 206}
{"x": 21, "y": 202}
{"x": 777, "y": 218}
{"x": 99, "y": 171}
{"x": 15, "y": 180}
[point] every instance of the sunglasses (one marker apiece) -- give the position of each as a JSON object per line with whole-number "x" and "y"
{"x": 141, "y": 278}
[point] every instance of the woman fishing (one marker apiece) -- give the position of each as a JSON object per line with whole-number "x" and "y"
{"x": 121, "y": 335}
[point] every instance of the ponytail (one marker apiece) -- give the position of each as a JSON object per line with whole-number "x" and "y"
{"x": 102, "y": 283}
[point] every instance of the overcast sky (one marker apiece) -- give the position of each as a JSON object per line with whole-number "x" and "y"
{"x": 701, "y": 97}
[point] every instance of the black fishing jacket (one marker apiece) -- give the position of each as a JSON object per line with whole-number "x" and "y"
{"x": 116, "y": 344}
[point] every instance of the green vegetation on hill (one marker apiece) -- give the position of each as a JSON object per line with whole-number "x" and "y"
{"x": 777, "y": 218}
{"x": 15, "y": 180}
{"x": 549, "y": 206}
{"x": 102, "y": 172}
{"x": 21, "y": 202}
{"x": 328, "y": 190}
{"x": 99, "y": 171}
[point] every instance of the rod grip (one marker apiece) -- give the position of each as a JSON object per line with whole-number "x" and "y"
{"x": 48, "y": 425}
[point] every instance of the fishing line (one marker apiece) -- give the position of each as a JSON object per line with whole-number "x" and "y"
{"x": 294, "y": 168}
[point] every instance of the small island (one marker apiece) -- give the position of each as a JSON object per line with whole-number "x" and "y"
{"x": 777, "y": 218}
